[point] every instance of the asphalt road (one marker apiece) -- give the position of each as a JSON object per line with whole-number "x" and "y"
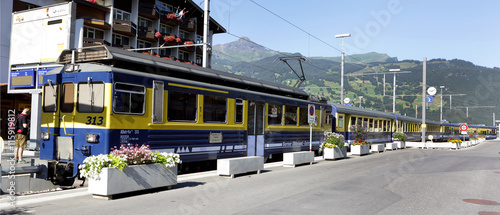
{"x": 409, "y": 181}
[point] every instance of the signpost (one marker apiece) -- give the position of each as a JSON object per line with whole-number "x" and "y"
{"x": 311, "y": 119}
{"x": 347, "y": 100}
{"x": 431, "y": 91}
{"x": 464, "y": 128}
{"x": 429, "y": 99}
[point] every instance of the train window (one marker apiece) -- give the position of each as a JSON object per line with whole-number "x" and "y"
{"x": 274, "y": 115}
{"x": 50, "y": 98}
{"x": 365, "y": 123}
{"x": 239, "y": 111}
{"x": 370, "y": 124}
{"x": 353, "y": 121}
{"x": 341, "y": 121}
{"x": 329, "y": 117}
{"x": 182, "y": 106}
{"x": 67, "y": 97}
{"x": 129, "y": 99}
{"x": 90, "y": 97}
{"x": 323, "y": 117}
{"x": 214, "y": 109}
{"x": 303, "y": 116}
{"x": 375, "y": 125}
{"x": 158, "y": 88}
{"x": 290, "y": 115}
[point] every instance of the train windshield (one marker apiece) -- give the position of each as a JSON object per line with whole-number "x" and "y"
{"x": 50, "y": 97}
{"x": 90, "y": 97}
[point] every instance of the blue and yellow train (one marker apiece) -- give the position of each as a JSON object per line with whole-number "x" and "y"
{"x": 91, "y": 106}
{"x": 104, "y": 97}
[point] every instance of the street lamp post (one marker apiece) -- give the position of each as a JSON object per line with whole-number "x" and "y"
{"x": 441, "y": 115}
{"x": 342, "y": 67}
{"x": 360, "y": 98}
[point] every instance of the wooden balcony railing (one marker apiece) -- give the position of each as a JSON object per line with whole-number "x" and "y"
{"x": 124, "y": 27}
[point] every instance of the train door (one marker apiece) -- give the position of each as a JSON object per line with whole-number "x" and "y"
{"x": 64, "y": 142}
{"x": 255, "y": 128}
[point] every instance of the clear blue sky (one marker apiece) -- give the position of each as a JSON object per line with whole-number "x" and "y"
{"x": 407, "y": 29}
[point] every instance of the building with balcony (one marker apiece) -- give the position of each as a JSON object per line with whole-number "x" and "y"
{"x": 135, "y": 24}
{"x": 129, "y": 24}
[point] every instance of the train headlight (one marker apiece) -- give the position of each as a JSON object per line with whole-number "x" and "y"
{"x": 92, "y": 138}
{"x": 45, "y": 135}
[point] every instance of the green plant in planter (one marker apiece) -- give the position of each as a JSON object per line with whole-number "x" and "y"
{"x": 332, "y": 140}
{"x": 124, "y": 156}
{"x": 454, "y": 140}
{"x": 360, "y": 134}
{"x": 400, "y": 136}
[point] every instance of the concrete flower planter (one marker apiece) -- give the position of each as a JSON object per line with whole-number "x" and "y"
{"x": 112, "y": 181}
{"x": 334, "y": 153}
{"x": 454, "y": 145}
{"x": 378, "y": 147}
{"x": 400, "y": 144}
{"x": 391, "y": 146}
{"x": 360, "y": 149}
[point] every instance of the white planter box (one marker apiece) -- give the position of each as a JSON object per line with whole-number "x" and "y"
{"x": 400, "y": 144}
{"x": 360, "y": 149}
{"x": 463, "y": 145}
{"x": 454, "y": 145}
{"x": 377, "y": 147}
{"x": 232, "y": 166}
{"x": 391, "y": 146}
{"x": 334, "y": 153}
{"x": 293, "y": 158}
{"x": 112, "y": 181}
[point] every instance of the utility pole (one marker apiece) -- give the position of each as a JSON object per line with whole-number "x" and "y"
{"x": 424, "y": 86}
{"x": 394, "y": 94}
{"x": 384, "y": 84}
{"x": 441, "y": 115}
{"x": 206, "y": 19}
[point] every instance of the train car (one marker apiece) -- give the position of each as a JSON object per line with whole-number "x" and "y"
{"x": 378, "y": 124}
{"x": 447, "y": 131}
{"x": 104, "y": 97}
{"x": 488, "y": 132}
{"x": 412, "y": 127}
{"x": 433, "y": 128}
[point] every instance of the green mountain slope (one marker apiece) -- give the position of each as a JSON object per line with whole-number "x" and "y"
{"x": 468, "y": 85}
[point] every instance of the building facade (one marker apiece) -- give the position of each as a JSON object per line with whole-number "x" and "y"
{"x": 41, "y": 29}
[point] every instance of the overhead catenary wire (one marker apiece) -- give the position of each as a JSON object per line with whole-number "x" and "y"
{"x": 311, "y": 35}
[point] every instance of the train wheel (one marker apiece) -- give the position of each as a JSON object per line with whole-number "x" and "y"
{"x": 63, "y": 175}
{"x": 63, "y": 181}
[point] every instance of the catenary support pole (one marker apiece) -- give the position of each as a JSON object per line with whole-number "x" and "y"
{"x": 206, "y": 19}
{"x": 394, "y": 95}
{"x": 424, "y": 86}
